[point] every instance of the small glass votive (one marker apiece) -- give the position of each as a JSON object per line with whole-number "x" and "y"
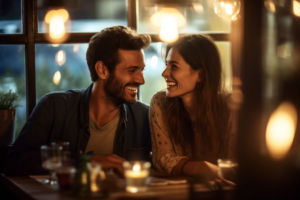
{"x": 136, "y": 173}
{"x": 227, "y": 169}
{"x": 65, "y": 176}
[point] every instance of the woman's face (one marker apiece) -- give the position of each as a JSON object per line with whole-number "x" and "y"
{"x": 180, "y": 77}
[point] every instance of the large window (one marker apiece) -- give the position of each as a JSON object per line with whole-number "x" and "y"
{"x": 34, "y": 66}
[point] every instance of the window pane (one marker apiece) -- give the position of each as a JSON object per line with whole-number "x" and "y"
{"x": 12, "y": 77}
{"x": 200, "y": 17}
{"x": 87, "y": 16}
{"x": 155, "y": 65}
{"x": 60, "y": 67}
{"x": 11, "y": 17}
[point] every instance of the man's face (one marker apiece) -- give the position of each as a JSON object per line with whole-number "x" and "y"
{"x": 122, "y": 84}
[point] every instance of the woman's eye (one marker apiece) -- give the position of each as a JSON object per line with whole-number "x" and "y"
{"x": 174, "y": 66}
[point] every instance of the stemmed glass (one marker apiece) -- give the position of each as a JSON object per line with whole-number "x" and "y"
{"x": 51, "y": 160}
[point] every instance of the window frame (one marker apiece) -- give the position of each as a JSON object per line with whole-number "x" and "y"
{"x": 30, "y": 37}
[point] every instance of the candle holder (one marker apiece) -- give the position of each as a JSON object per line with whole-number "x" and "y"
{"x": 136, "y": 173}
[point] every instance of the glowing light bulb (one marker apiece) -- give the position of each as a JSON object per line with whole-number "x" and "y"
{"x": 56, "y": 78}
{"x": 168, "y": 19}
{"x": 168, "y": 29}
{"x": 57, "y": 22}
{"x": 57, "y": 27}
{"x": 281, "y": 130}
{"x": 296, "y": 8}
{"x": 227, "y": 9}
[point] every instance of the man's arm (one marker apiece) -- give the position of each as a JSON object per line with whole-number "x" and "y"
{"x": 24, "y": 156}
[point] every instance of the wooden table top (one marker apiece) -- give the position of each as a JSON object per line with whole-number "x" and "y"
{"x": 27, "y": 188}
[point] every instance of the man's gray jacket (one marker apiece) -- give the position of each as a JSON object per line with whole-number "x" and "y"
{"x": 64, "y": 116}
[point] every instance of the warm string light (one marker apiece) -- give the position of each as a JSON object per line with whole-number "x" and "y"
{"x": 270, "y": 6}
{"x": 296, "y": 8}
{"x": 280, "y": 130}
{"x": 56, "y": 78}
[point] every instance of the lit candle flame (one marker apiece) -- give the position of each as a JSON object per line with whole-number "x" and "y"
{"x": 281, "y": 130}
{"x": 136, "y": 168}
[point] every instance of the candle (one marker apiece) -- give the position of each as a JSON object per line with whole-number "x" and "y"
{"x": 136, "y": 174}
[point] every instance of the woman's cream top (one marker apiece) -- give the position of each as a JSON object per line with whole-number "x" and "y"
{"x": 165, "y": 153}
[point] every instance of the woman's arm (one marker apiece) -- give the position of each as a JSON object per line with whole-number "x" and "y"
{"x": 192, "y": 168}
{"x": 164, "y": 156}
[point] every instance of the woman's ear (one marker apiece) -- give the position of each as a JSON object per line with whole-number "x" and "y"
{"x": 101, "y": 70}
{"x": 199, "y": 76}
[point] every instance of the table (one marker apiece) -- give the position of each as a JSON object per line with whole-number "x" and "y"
{"x": 26, "y": 188}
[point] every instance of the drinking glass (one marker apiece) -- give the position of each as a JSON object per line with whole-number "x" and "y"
{"x": 227, "y": 169}
{"x": 51, "y": 160}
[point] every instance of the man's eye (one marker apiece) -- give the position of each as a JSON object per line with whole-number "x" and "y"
{"x": 131, "y": 71}
{"x": 174, "y": 67}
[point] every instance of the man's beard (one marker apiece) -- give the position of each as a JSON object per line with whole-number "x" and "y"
{"x": 116, "y": 91}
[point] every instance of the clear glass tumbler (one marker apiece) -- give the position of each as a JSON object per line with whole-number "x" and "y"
{"x": 227, "y": 169}
{"x": 51, "y": 160}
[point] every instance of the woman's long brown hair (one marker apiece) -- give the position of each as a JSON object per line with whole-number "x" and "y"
{"x": 212, "y": 113}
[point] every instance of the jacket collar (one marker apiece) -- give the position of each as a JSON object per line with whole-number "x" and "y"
{"x": 84, "y": 108}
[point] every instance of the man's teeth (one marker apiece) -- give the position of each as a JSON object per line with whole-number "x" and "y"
{"x": 171, "y": 83}
{"x": 132, "y": 88}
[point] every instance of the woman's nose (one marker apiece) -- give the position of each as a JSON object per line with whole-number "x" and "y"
{"x": 166, "y": 72}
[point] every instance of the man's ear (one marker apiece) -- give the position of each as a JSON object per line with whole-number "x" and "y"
{"x": 101, "y": 70}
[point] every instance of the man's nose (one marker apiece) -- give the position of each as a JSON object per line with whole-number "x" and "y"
{"x": 140, "y": 79}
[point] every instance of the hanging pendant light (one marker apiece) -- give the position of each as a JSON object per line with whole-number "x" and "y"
{"x": 57, "y": 19}
{"x": 169, "y": 18}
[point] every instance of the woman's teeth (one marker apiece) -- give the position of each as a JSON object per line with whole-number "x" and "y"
{"x": 132, "y": 88}
{"x": 171, "y": 83}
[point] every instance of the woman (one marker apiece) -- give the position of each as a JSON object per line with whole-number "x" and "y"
{"x": 190, "y": 121}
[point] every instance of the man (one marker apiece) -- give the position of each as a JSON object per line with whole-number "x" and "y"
{"x": 105, "y": 120}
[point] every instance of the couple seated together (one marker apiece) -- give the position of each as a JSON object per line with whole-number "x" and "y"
{"x": 187, "y": 126}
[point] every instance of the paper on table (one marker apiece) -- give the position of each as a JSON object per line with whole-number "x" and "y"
{"x": 159, "y": 181}
{"x": 40, "y": 178}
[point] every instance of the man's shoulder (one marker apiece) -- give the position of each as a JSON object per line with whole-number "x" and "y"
{"x": 64, "y": 95}
{"x": 139, "y": 105}
{"x": 138, "y": 110}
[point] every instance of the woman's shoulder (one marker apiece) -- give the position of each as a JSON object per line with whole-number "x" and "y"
{"x": 158, "y": 98}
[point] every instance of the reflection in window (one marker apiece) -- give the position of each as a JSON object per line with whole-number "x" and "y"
{"x": 155, "y": 65}
{"x": 10, "y": 17}
{"x": 12, "y": 77}
{"x": 60, "y": 67}
{"x": 200, "y": 17}
{"x": 87, "y": 16}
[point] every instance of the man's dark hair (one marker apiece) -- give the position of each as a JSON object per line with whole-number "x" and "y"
{"x": 104, "y": 46}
